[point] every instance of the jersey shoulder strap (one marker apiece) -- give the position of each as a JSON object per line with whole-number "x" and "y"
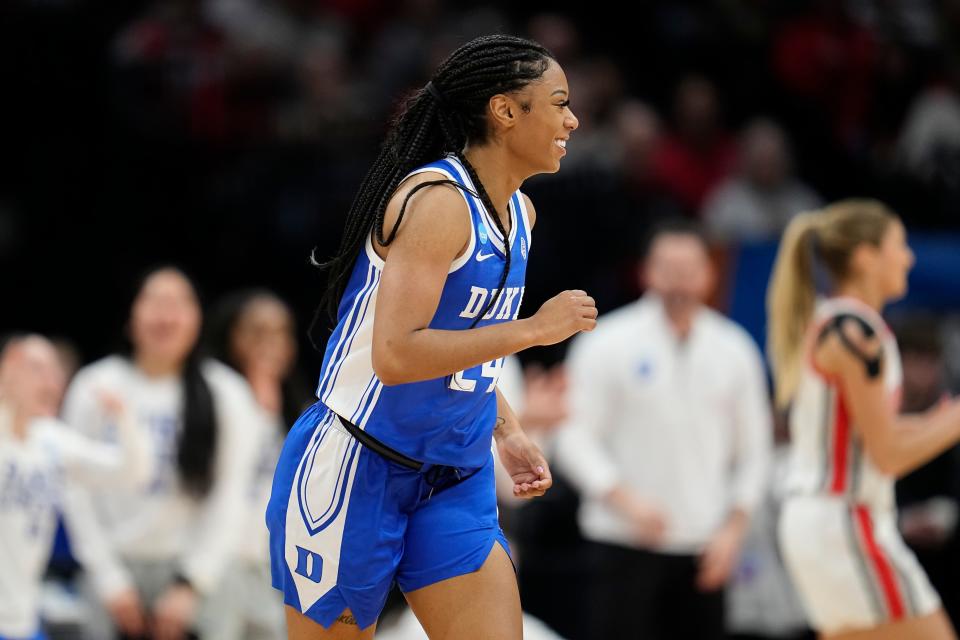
{"x": 871, "y": 362}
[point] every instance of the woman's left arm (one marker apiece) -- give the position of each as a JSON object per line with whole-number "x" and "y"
{"x": 522, "y": 459}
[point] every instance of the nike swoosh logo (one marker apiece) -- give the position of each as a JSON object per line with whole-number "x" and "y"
{"x": 483, "y": 256}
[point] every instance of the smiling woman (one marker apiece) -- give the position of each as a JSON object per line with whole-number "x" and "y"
{"x": 156, "y": 553}
{"x": 389, "y": 476}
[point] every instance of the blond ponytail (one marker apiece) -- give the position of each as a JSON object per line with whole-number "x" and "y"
{"x": 790, "y": 300}
{"x": 836, "y": 231}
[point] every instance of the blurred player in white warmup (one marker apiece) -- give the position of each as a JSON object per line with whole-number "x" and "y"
{"x": 158, "y": 554}
{"x": 40, "y": 459}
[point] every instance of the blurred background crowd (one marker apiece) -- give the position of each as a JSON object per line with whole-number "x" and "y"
{"x": 228, "y": 137}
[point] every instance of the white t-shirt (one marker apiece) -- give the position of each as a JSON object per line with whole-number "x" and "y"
{"x": 34, "y": 474}
{"x": 162, "y": 522}
{"x": 255, "y": 547}
{"x": 684, "y": 424}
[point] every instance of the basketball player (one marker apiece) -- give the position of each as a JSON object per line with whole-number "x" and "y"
{"x": 390, "y": 475}
{"x": 39, "y": 460}
{"x": 159, "y": 551}
{"x": 838, "y": 368}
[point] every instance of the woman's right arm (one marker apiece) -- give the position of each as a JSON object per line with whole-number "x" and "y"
{"x": 895, "y": 444}
{"x": 95, "y": 464}
{"x": 91, "y": 544}
{"x": 434, "y": 231}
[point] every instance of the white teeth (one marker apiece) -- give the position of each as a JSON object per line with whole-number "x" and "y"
{"x": 561, "y": 143}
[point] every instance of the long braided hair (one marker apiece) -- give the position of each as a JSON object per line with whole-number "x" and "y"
{"x": 440, "y": 118}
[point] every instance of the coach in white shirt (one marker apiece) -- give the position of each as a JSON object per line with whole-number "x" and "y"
{"x": 669, "y": 442}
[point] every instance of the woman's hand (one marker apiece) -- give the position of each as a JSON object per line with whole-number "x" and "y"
{"x": 525, "y": 463}
{"x": 719, "y": 559}
{"x": 646, "y": 519}
{"x": 111, "y": 403}
{"x": 127, "y": 612}
{"x": 563, "y": 315}
{"x": 174, "y": 613}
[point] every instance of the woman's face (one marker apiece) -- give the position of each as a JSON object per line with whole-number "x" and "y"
{"x": 895, "y": 261}
{"x": 32, "y": 378}
{"x": 262, "y": 338}
{"x": 545, "y": 121}
{"x": 165, "y": 318}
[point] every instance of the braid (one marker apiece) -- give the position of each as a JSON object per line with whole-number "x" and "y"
{"x": 485, "y": 198}
{"x": 433, "y": 121}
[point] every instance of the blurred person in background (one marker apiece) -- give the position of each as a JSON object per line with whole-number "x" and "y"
{"x": 542, "y": 530}
{"x": 254, "y": 332}
{"x": 698, "y": 152}
{"x": 643, "y": 200}
{"x": 40, "y": 459}
{"x": 929, "y": 143}
{"x": 157, "y": 552}
{"x": 827, "y": 61}
{"x": 928, "y": 498}
{"x": 639, "y": 135}
{"x": 669, "y": 442}
{"x": 598, "y": 83}
{"x": 762, "y": 603}
{"x": 838, "y": 369}
{"x": 171, "y": 72}
{"x": 539, "y": 398}
{"x": 764, "y": 194}
{"x": 389, "y": 476}
{"x": 559, "y": 33}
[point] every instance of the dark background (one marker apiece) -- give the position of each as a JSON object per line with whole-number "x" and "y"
{"x": 144, "y": 132}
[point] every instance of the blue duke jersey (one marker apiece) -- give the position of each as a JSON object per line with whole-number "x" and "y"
{"x": 446, "y": 420}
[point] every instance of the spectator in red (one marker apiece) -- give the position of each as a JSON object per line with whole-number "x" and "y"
{"x": 699, "y": 153}
{"x": 172, "y": 73}
{"x": 827, "y": 59}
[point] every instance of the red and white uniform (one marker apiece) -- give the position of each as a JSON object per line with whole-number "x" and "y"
{"x": 838, "y": 530}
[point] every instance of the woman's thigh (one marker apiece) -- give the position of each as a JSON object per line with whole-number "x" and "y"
{"x": 300, "y": 627}
{"x": 473, "y": 606}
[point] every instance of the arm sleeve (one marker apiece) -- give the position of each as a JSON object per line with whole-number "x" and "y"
{"x": 581, "y": 449}
{"x": 240, "y": 424}
{"x": 754, "y": 433}
{"x": 95, "y": 464}
{"x": 91, "y": 546}
{"x": 80, "y": 409}
{"x": 90, "y": 542}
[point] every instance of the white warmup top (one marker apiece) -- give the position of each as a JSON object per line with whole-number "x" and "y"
{"x": 34, "y": 474}
{"x": 684, "y": 424}
{"x": 162, "y": 522}
{"x": 255, "y": 547}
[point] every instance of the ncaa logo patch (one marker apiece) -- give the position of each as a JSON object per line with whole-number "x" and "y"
{"x": 523, "y": 248}
{"x": 482, "y": 231}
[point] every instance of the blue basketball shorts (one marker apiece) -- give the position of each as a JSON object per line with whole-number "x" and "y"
{"x": 345, "y": 523}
